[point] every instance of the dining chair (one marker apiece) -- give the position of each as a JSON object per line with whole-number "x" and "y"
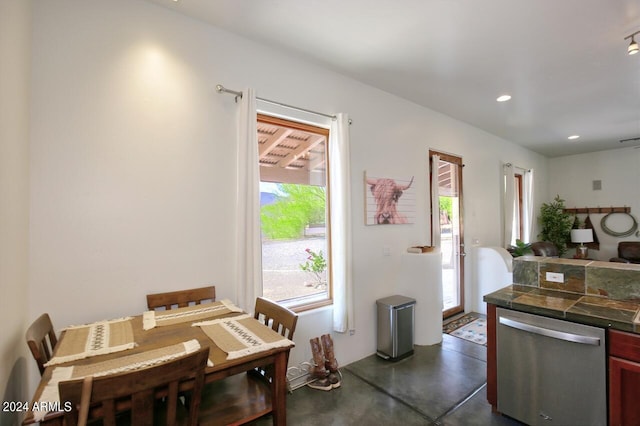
{"x": 152, "y": 394}
{"x": 42, "y": 340}
{"x": 181, "y": 298}
{"x": 280, "y": 319}
{"x": 248, "y": 396}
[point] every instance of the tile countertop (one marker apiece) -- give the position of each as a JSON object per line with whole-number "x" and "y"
{"x": 580, "y": 308}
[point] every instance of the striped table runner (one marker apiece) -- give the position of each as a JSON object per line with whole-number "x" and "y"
{"x": 99, "y": 338}
{"x": 242, "y": 335}
{"x": 151, "y": 319}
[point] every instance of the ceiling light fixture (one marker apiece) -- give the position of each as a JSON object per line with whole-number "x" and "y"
{"x": 573, "y": 137}
{"x": 503, "y": 98}
{"x": 633, "y": 47}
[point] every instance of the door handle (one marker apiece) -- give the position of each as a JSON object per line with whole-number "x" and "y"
{"x": 400, "y": 308}
{"x": 554, "y": 334}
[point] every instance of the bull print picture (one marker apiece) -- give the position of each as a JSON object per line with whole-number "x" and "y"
{"x": 389, "y": 201}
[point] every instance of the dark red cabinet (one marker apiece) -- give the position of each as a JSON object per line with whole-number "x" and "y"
{"x": 624, "y": 378}
{"x": 492, "y": 371}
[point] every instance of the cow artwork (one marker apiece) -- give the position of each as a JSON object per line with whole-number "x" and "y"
{"x": 386, "y": 193}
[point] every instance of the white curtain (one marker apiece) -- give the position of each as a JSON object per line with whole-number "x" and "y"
{"x": 435, "y": 201}
{"x": 340, "y": 216}
{"x": 527, "y": 207}
{"x": 508, "y": 204}
{"x": 249, "y": 248}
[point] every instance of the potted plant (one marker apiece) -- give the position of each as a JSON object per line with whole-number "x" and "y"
{"x": 556, "y": 224}
{"x": 520, "y": 249}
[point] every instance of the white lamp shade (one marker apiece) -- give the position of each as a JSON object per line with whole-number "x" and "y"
{"x": 581, "y": 235}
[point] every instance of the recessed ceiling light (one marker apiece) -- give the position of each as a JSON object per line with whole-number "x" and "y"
{"x": 503, "y": 98}
{"x": 573, "y": 137}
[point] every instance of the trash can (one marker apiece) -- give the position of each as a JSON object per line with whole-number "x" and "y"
{"x": 395, "y": 327}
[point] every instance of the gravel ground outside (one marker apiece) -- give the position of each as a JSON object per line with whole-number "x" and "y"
{"x": 282, "y": 277}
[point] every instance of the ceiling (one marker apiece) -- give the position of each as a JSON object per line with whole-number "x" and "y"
{"x": 563, "y": 62}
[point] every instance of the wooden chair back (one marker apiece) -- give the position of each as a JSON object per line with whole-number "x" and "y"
{"x": 282, "y": 320}
{"x": 181, "y": 298}
{"x": 42, "y": 340}
{"x": 142, "y": 388}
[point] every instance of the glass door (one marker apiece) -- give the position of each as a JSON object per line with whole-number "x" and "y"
{"x": 449, "y": 211}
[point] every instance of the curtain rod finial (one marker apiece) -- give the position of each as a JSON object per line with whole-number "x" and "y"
{"x": 219, "y": 88}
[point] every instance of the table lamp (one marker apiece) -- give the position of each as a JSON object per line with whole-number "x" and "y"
{"x": 582, "y": 236}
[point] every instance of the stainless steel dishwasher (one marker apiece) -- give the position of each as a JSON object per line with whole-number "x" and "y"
{"x": 550, "y": 372}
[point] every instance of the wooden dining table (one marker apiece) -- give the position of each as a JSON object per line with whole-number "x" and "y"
{"x": 159, "y": 337}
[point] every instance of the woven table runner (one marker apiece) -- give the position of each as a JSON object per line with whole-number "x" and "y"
{"x": 151, "y": 319}
{"x": 99, "y": 338}
{"x": 242, "y": 335}
{"x": 51, "y": 398}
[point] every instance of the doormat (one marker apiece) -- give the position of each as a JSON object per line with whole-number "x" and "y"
{"x": 475, "y": 331}
{"x": 468, "y": 327}
{"x": 449, "y": 326}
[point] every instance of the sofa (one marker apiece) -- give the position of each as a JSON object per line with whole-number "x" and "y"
{"x": 628, "y": 252}
{"x": 544, "y": 248}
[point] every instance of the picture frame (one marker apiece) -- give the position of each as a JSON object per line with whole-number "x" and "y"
{"x": 389, "y": 200}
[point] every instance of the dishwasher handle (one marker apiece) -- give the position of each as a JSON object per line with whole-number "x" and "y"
{"x": 554, "y": 334}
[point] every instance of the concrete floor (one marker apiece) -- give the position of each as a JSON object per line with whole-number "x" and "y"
{"x": 442, "y": 384}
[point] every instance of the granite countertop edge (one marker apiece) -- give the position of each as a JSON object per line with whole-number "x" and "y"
{"x": 580, "y": 308}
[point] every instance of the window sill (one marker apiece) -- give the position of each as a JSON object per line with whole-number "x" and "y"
{"x": 303, "y": 304}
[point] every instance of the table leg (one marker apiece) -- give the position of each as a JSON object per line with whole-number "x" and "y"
{"x": 279, "y": 390}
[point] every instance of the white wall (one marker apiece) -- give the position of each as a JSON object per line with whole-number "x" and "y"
{"x": 571, "y": 177}
{"x": 15, "y": 28}
{"x": 493, "y": 269}
{"x": 132, "y": 163}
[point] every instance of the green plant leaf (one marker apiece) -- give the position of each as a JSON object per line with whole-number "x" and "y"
{"x": 556, "y": 224}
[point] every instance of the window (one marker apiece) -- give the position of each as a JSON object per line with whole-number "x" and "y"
{"x": 518, "y": 204}
{"x": 294, "y": 218}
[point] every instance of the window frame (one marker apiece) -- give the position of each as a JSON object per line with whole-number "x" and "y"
{"x": 317, "y": 128}
{"x": 519, "y": 204}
